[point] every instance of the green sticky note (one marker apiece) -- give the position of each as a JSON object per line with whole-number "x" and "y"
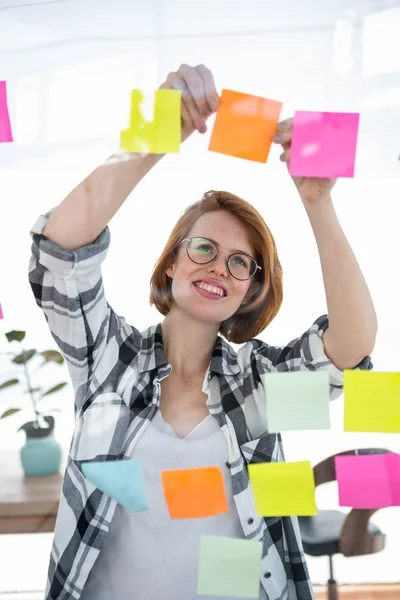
{"x": 371, "y": 401}
{"x": 283, "y": 489}
{"x": 297, "y": 400}
{"x": 163, "y": 133}
{"x": 229, "y": 567}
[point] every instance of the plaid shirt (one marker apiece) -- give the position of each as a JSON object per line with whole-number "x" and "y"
{"x": 116, "y": 373}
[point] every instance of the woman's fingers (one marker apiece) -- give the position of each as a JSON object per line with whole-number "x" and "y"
{"x": 193, "y": 95}
{"x": 285, "y": 125}
{"x": 199, "y": 96}
{"x": 285, "y": 156}
{"x": 284, "y": 133}
{"x": 187, "y": 123}
{"x": 190, "y": 117}
{"x": 210, "y": 90}
{"x": 200, "y": 93}
{"x": 195, "y": 86}
{"x": 283, "y": 138}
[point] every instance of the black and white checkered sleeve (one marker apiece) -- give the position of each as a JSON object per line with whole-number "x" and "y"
{"x": 68, "y": 287}
{"x": 303, "y": 353}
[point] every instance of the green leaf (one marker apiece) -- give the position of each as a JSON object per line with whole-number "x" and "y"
{"x": 9, "y": 412}
{"x": 28, "y": 391}
{"x": 52, "y": 356}
{"x": 8, "y": 383}
{"x": 23, "y": 358}
{"x": 17, "y": 336}
{"x": 57, "y": 387}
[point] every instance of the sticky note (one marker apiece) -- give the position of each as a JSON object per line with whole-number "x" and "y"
{"x": 368, "y": 481}
{"x": 297, "y": 400}
{"x": 120, "y": 479}
{"x": 245, "y": 125}
{"x": 194, "y": 493}
{"x": 5, "y": 125}
{"x": 160, "y": 136}
{"x": 283, "y": 489}
{"x": 1, "y": 313}
{"x": 229, "y": 567}
{"x": 323, "y": 144}
{"x": 371, "y": 401}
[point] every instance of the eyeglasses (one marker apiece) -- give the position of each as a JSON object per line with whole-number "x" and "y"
{"x": 203, "y": 251}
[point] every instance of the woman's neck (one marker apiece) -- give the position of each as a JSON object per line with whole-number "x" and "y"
{"x": 188, "y": 344}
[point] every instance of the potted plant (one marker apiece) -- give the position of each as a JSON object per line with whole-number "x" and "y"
{"x": 41, "y": 454}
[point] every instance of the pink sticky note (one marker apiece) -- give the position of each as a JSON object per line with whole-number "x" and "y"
{"x": 324, "y": 144}
{"x": 368, "y": 481}
{"x": 1, "y": 313}
{"x": 5, "y": 125}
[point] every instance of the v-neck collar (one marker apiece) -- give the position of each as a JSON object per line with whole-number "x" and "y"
{"x": 161, "y": 423}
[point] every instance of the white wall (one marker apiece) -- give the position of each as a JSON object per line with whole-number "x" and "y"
{"x": 69, "y": 67}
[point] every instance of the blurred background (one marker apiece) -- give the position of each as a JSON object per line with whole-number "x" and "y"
{"x": 69, "y": 67}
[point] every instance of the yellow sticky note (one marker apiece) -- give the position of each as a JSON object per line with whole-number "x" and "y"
{"x": 283, "y": 489}
{"x": 371, "y": 401}
{"x": 163, "y": 133}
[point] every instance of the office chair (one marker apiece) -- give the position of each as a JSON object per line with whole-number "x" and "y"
{"x": 335, "y": 532}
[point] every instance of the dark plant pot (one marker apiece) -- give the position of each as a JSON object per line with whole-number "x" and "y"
{"x": 41, "y": 454}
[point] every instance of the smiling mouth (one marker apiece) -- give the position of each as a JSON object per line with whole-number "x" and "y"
{"x": 214, "y": 291}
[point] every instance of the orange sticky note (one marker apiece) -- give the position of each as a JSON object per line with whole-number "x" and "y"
{"x": 194, "y": 493}
{"x": 245, "y": 125}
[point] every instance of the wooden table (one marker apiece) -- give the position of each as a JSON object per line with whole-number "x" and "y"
{"x": 28, "y": 503}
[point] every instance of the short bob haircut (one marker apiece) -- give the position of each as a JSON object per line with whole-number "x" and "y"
{"x": 266, "y": 286}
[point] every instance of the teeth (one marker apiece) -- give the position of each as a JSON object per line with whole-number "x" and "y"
{"x": 210, "y": 288}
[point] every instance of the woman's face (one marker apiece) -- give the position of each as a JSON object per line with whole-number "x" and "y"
{"x": 230, "y": 235}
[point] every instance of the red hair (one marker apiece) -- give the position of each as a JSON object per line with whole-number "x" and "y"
{"x": 267, "y": 290}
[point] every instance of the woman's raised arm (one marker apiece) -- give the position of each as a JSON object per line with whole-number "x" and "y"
{"x": 85, "y": 212}
{"x": 70, "y": 242}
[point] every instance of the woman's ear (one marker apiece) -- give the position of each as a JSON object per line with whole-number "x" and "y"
{"x": 171, "y": 268}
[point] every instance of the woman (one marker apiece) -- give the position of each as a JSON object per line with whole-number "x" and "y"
{"x": 177, "y": 395}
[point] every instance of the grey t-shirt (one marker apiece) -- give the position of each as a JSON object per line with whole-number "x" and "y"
{"x": 148, "y": 555}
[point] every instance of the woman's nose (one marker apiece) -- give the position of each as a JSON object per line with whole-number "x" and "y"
{"x": 219, "y": 265}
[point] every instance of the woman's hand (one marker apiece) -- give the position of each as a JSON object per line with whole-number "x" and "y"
{"x": 312, "y": 190}
{"x": 199, "y": 96}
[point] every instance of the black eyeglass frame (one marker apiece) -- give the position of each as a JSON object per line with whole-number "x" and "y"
{"x": 218, "y": 252}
